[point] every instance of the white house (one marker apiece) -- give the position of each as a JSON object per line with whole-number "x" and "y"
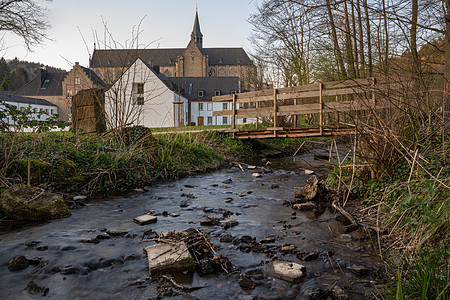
{"x": 200, "y": 91}
{"x": 36, "y": 106}
{"x": 143, "y": 97}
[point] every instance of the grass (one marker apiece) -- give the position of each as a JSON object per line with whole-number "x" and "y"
{"x": 67, "y": 163}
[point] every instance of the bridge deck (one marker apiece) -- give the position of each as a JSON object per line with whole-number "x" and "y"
{"x": 300, "y": 132}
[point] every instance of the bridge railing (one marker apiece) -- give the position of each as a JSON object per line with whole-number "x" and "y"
{"x": 317, "y": 98}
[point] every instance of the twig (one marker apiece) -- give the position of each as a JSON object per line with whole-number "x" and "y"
{"x": 184, "y": 288}
{"x": 299, "y": 148}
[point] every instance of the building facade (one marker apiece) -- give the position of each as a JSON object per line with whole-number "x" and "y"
{"x": 142, "y": 97}
{"x": 192, "y": 61}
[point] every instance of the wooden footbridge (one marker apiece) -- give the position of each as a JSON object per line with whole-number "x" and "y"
{"x": 319, "y": 100}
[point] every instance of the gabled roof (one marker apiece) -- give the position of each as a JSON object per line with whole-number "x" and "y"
{"x": 93, "y": 76}
{"x": 46, "y": 83}
{"x": 166, "y": 57}
{"x": 26, "y": 100}
{"x": 166, "y": 81}
{"x": 190, "y": 86}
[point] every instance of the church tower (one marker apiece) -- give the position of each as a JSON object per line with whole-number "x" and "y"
{"x": 196, "y": 34}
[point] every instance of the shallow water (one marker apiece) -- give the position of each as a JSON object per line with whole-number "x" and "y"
{"x": 100, "y": 271}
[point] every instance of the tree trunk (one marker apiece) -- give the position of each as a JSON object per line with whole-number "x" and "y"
{"x": 369, "y": 39}
{"x": 355, "y": 41}
{"x": 348, "y": 44}
{"x": 337, "y": 49}
{"x": 386, "y": 33}
{"x": 361, "y": 39}
{"x": 446, "y": 96}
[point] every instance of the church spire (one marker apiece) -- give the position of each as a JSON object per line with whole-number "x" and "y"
{"x": 196, "y": 34}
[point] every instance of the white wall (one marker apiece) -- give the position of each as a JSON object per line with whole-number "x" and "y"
{"x": 50, "y": 109}
{"x": 158, "y": 100}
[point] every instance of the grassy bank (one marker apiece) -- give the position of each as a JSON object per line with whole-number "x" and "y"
{"x": 410, "y": 202}
{"x": 67, "y": 163}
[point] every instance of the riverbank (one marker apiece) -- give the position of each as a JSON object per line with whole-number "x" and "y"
{"x": 92, "y": 166}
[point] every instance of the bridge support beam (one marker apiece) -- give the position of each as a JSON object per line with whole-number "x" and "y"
{"x": 320, "y": 108}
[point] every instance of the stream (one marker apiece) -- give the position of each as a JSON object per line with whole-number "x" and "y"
{"x": 117, "y": 268}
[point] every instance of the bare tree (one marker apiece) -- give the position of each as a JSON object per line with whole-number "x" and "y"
{"x": 24, "y": 18}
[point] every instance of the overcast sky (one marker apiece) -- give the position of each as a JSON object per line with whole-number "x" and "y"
{"x": 165, "y": 24}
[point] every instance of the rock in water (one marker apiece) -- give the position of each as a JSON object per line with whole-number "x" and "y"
{"x": 256, "y": 175}
{"x": 18, "y": 263}
{"x": 32, "y": 204}
{"x": 34, "y": 289}
{"x": 289, "y": 271}
{"x": 165, "y": 257}
{"x": 145, "y": 219}
{"x": 312, "y": 191}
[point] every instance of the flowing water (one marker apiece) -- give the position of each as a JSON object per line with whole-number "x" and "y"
{"x": 116, "y": 268}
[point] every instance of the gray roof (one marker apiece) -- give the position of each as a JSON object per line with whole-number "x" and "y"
{"x": 93, "y": 76}
{"x": 46, "y": 83}
{"x": 26, "y": 100}
{"x": 190, "y": 86}
{"x": 166, "y": 57}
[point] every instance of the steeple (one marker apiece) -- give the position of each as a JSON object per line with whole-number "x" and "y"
{"x": 196, "y": 34}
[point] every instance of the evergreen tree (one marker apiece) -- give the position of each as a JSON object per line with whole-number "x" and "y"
{"x": 4, "y": 74}
{"x": 18, "y": 79}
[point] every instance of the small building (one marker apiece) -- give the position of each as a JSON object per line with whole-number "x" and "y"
{"x": 36, "y": 106}
{"x": 78, "y": 79}
{"x": 200, "y": 91}
{"x": 47, "y": 85}
{"x": 141, "y": 96}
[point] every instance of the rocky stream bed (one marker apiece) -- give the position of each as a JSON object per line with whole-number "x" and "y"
{"x": 97, "y": 253}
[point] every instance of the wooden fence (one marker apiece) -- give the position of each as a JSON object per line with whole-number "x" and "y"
{"x": 317, "y": 98}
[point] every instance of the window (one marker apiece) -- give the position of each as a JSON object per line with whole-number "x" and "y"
{"x": 224, "y": 120}
{"x": 209, "y": 106}
{"x": 217, "y": 93}
{"x": 201, "y": 93}
{"x": 244, "y": 120}
{"x": 138, "y": 88}
{"x": 209, "y": 121}
{"x": 69, "y": 94}
{"x": 138, "y": 93}
{"x": 200, "y": 106}
{"x": 225, "y": 106}
{"x": 233, "y": 92}
{"x": 69, "y": 110}
{"x": 45, "y": 84}
{"x": 51, "y": 112}
{"x": 77, "y": 80}
{"x": 139, "y": 100}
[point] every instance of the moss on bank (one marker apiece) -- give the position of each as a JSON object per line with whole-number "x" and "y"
{"x": 68, "y": 163}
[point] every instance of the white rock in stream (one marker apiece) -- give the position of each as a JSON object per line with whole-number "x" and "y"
{"x": 165, "y": 257}
{"x": 289, "y": 271}
{"x": 309, "y": 172}
{"x": 145, "y": 219}
{"x": 256, "y": 175}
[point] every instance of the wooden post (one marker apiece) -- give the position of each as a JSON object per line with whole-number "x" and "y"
{"x": 257, "y": 111}
{"x": 233, "y": 119}
{"x": 275, "y": 92}
{"x": 29, "y": 173}
{"x": 337, "y": 112}
{"x": 321, "y": 109}
{"x": 372, "y": 89}
{"x": 295, "y": 116}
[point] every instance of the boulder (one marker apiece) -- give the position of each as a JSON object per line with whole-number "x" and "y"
{"x": 309, "y": 172}
{"x": 145, "y": 219}
{"x": 256, "y": 175}
{"x": 289, "y": 271}
{"x": 34, "y": 289}
{"x": 32, "y": 204}
{"x": 19, "y": 262}
{"x": 165, "y": 257}
{"x": 312, "y": 191}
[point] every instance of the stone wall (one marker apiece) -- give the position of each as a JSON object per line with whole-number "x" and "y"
{"x": 88, "y": 114}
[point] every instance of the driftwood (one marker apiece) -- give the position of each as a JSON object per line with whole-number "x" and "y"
{"x": 351, "y": 219}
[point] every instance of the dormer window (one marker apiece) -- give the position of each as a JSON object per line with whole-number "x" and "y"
{"x": 233, "y": 92}
{"x": 201, "y": 94}
{"x": 45, "y": 84}
{"x": 217, "y": 93}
